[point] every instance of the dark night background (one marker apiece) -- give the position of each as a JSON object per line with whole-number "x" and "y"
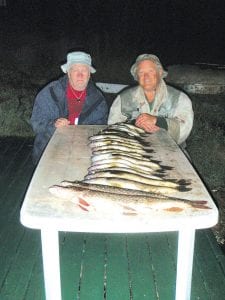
{"x": 35, "y": 32}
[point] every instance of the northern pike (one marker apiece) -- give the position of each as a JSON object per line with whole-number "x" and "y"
{"x": 110, "y": 189}
{"x": 92, "y": 200}
{"x": 131, "y": 184}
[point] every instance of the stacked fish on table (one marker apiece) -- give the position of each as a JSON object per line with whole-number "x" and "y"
{"x": 124, "y": 177}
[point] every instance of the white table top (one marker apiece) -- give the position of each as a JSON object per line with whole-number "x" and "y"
{"x": 67, "y": 157}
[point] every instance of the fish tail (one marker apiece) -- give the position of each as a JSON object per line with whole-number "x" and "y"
{"x": 184, "y": 182}
{"x": 183, "y": 188}
{"x": 200, "y": 204}
{"x": 84, "y": 205}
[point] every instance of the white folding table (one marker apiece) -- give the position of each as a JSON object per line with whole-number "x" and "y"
{"x": 67, "y": 157}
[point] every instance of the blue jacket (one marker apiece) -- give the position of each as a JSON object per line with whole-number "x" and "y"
{"x": 51, "y": 104}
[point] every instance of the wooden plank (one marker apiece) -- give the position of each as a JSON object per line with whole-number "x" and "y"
{"x": 35, "y": 287}
{"x": 71, "y": 252}
{"x": 211, "y": 272}
{"x": 117, "y": 276}
{"x": 23, "y": 259}
{"x": 92, "y": 275}
{"x": 122, "y": 260}
{"x": 9, "y": 156}
{"x": 162, "y": 259}
{"x": 140, "y": 268}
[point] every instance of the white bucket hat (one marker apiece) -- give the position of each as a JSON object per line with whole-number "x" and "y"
{"x": 150, "y": 57}
{"x": 77, "y": 58}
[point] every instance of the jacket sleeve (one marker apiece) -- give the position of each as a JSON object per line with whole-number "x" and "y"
{"x": 181, "y": 122}
{"x": 115, "y": 114}
{"x": 44, "y": 113}
{"x": 101, "y": 111}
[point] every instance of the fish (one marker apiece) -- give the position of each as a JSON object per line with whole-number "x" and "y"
{"x": 147, "y": 166}
{"x": 121, "y": 134}
{"x": 100, "y": 143}
{"x": 131, "y": 130}
{"x": 121, "y": 148}
{"x": 107, "y": 163}
{"x": 93, "y": 200}
{"x": 119, "y": 138}
{"x": 127, "y": 170}
{"x": 131, "y": 184}
{"x": 133, "y": 127}
{"x": 139, "y": 161}
{"x": 118, "y": 151}
{"x": 122, "y": 130}
{"x": 109, "y": 189}
{"x": 98, "y": 155}
{"x": 138, "y": 178}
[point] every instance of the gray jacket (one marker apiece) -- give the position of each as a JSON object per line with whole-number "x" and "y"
{"x": 169, "y": 103}
{"x": 51, "y": 104}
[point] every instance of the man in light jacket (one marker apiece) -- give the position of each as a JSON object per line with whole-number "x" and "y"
{"x": 152, "y": 104}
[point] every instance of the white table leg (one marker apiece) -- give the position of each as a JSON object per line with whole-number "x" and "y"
{"x": 185, "y": 254}
{"x": 51, "y": 264}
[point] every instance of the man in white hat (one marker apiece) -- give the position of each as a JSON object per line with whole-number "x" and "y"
{"x": 73, "y": 99}
{"x": 152, "y": 104}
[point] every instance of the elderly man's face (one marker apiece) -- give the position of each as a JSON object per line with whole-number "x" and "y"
{"x": 79, "y": 76}
{"x": 148, "y": 75}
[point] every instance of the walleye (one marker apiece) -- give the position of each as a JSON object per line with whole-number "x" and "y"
{"x": 138, "y": 178}
{"x": 100, "y": 143}
{"x": 127, "y": 170}
{"x": 134, "y": 185}
{"x": 92, "y": 200}
{"x": 118, "y": 151}
{"x": 108, "y": 163}
{"x": 152, "y": 167}
{"x": 131, "y": 130}
{"x": 118, "y": 138}
{"x": 122, "y": 148}
{"x": 110, "y": 154}
{"x": 134, "y": 160}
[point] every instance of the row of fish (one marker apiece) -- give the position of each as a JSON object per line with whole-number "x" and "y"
{"x": 124, "y": 177}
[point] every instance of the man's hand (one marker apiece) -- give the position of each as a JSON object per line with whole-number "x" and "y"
{"x": 61, "y": 122}
{"x": 147, "y": 122}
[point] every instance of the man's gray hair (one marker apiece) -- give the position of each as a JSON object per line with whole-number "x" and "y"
{"x": 150, "y": 57}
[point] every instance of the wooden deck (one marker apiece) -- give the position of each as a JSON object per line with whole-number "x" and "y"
{"x": 93, "y": 266}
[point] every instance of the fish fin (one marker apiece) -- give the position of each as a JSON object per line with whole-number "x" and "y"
{"x": 166, "y": 167}
{"x": 83, "y": 204}
{"x": 174, "y": 209}
{"x": 184, "y": 182}
{"x": 200, "y": 204}
{"x": 129, "y": 211}
{"x": 183, "y": 188}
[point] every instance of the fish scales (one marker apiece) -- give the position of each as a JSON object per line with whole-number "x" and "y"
{"x": 95, "y": 144}
{"x": 121, "y": 161}
{"x": 140, "y": 162}
{"x": 119, "y": 138}
{"x": 131, "y": 184}
{"x": 127, "y": 170}
{"x": 135, "y": 177}
{"x": 92, "y": 199}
